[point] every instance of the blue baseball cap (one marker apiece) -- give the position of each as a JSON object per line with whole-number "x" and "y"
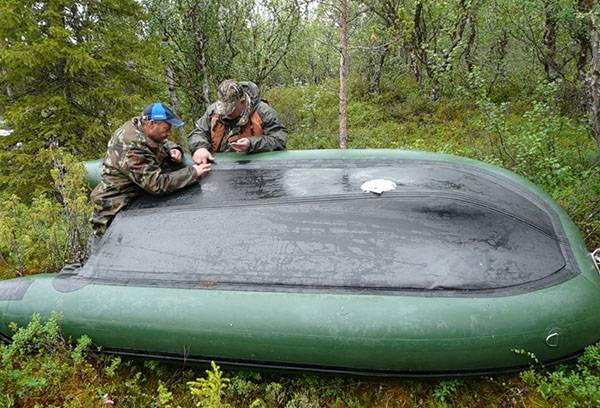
{"x": 161, "y": 112}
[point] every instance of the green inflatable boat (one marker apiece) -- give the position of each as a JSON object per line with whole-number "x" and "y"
{"x": 378, "y": 262}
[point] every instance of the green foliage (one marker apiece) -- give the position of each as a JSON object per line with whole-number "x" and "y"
{"x": 580, "y": 199}
{"x": 208, "y": 392}
{"x": 310, "y": 112}
{"x": 207, "y": 42}
{"x": 34, "y": 338}
{"x": 31, "y": 236}
{"x": 570, "y": 386}
{"x": 42, "y": 368}
{"x": 39, "y": 363}
{"x": 553, "y": 151}
{"x": 165, "y": 397}
{"x": 446, "y": 389}
{"x": 72, "y": 71}
{"x": 532, "y": 150}
{"x": 43, "y": 235}
{"x": 70, "y": 182}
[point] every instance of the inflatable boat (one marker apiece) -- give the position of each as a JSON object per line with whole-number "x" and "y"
{"x": 293, "y": 260}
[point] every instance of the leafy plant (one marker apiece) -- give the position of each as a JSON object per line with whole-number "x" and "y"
{"x": 70, "y": 182}
{"x": 208, "y": 392}
{"x": 446, "y": 389}
{"x": 42, "y": 236}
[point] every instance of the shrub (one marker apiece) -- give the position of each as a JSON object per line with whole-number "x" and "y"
{"x": 31, "y": 236}
{"x": 208, "y": 392}
{"x": 41, "y": 367}
{"x": 43, "y": 235}
{"x": 70, "y": 182}
{"x": 570, "y": 386}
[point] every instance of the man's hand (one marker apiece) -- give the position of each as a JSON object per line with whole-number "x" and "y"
{"x": 175, "y": 155}
{"x": 202, "y": 156}
{"x": 201, "y": 169}
{"x": 241, "y": 145}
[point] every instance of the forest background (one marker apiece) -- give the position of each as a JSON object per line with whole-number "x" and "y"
{"x": 515, "y": 83}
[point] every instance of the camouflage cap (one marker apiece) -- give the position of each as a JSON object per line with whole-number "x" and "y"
{"x": 229, "y": 93}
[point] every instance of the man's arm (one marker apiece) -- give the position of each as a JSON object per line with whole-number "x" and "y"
{"x": 275, "y": 132}
{"x": 174, "y": 150}
{"x": 142, "y": 167}
{"x": 200, "y": 135}
{"x": 168, "y": 145}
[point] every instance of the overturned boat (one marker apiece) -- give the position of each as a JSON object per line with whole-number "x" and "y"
{"x": 443, "y": 266}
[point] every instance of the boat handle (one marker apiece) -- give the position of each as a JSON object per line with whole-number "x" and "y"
{"x": 552, "y": 339}
{"x": 596, "y": 259}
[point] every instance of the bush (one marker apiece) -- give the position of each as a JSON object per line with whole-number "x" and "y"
{"x": 208, "y": 392}
{"x": 31, "y": 236}
{"x": 51, "y": 230}
{"x": 570, "y": 386}
{"x": 41, "y": 368}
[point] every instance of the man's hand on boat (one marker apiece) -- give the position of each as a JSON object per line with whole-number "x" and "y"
{"x": 240, "y": 145}
{"x": 201, "y": 169}
{"x": 202, "y": 156}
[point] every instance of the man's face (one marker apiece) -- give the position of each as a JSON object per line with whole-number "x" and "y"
{"x": 158, "y": 130}
{"x": 239, "y": 108}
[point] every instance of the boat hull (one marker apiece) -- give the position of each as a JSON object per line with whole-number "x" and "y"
{"x": 383, "y": 335}
{"x": 427, "y": 329}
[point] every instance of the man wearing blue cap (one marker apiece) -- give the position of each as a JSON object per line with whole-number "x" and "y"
{"x": 134, "y": 163}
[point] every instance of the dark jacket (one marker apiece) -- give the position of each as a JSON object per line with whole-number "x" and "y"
{"x": 275, "y": 133}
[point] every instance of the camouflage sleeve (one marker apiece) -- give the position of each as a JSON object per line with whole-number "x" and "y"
{"x": 143, "y": 169}
{"x": 200, "y": 136}
{"x": 169, "y": 145}
{"x": 275, "y": 132}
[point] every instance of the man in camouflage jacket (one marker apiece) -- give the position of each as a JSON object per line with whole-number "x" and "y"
{"x": 239, "y": 121}
{"x": 134, "y": 163}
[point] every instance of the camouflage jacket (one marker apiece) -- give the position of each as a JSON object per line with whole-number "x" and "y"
{"x": 275, "y": 133}
{"x": 133, "y": 164}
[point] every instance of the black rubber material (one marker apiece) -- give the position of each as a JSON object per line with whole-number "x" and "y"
{"x": 240, "y": 364}
{"x": 447, "y": 229}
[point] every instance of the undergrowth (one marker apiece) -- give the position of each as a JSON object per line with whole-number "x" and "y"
{"x": 50, "y": 230}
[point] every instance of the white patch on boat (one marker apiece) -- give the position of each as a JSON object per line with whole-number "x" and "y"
{"x": 378, "y": 186}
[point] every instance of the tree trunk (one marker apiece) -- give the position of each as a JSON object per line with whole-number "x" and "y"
{"x": 171, "y": 86}
{"x": 205, "y": 83}
{"x": 313, "y": 71}
{"x": 583, "y": 40}
{"x": 199, "y": 45}
{"x": 499, "y": 68}
{"x": 415, "y": 68}
{"x": 9, "y": 92}
{"x": 417, "y": 54}
{"x": 550, "y": 28}
{"x": 201, "y": 65}
{"x": 594, "y": 80}
{"x": 375, "y": 84}
{"x": 344, "y": 68}
{"x": 471, "y": 21}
